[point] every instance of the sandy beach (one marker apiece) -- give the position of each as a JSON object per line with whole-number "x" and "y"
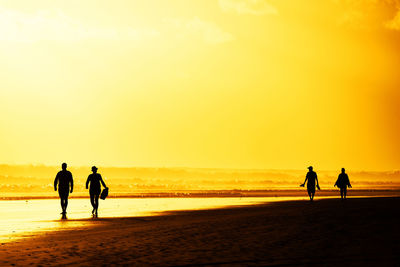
{"x": 329, "y": 232}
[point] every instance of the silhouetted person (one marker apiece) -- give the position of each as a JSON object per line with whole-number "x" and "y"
{"x": 343, "y": 182}
{"x": 95, "y": 189}
{"x": 65, "y": 186}
{"x": 311, "y": 177}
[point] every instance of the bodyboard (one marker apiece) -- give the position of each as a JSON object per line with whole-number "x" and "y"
{"x": 104, "y": 193}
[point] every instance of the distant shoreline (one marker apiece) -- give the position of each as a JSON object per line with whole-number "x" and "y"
{"x": 220, "y": 194}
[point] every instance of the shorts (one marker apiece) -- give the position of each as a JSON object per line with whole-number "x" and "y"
{"x": 63, "y": 193}
{"x": 311, "y": 189}
{"x": 95, "y": 191}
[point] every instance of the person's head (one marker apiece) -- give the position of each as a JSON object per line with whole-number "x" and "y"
{"x": 64, "y": 166}
{"x": 310, "y": 168}
{"x": 94, "y": 169}
{"x": 343, "y": 170}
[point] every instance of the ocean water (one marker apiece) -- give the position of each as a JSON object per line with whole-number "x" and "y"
{"x": 25, "y": 218}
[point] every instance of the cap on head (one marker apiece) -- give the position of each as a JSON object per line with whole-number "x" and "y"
{"x": 310, "y": 168}
{"x": 94, "y": 168}
{"x": 64, "y": 166}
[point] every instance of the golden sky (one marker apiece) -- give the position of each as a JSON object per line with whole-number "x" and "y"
{"x": 201, "y": 83}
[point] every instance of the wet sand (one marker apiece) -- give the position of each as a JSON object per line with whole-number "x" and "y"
{"x": 329, "y": 232}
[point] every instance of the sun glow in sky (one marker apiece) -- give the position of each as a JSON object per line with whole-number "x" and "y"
{"x": 201, "y": 83}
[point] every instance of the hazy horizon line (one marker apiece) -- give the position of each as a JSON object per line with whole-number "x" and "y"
{"x": 191, "y": 167}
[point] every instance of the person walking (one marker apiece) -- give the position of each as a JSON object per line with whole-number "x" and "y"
{"x": 94, "y": 180}
{"x": 342, "y": 183}
{"x": 311, "y": 177}
{"x": 65, "y": 184}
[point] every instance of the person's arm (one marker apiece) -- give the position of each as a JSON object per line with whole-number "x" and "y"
{"x": 102, "y": 182}
{"x": 337, "y": 181}
{"x": 304, "y": 181}
{"x": 87, "y": 182}
{"x": 72, "y": 184}
{"x": 348, "y": 182}
{"x": 56, "y": 182}
{"x": 316, "y": 178}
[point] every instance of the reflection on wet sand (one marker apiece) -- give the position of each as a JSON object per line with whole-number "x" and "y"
{"x": 23, "y": 218}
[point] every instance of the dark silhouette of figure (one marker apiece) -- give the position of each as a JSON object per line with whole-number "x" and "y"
{"x": 95, "y": 189}
{"x": 65, "y": 186}
{"x": 311, "y": 177}
{"x": 342, "y": 183}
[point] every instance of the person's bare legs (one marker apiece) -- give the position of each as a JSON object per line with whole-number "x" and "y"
{"x": 64, "y": 201}
{"x": 64, "y": 204}
{"x": 93, "y": 203}
{"x": 94, "y": 200}
{"x": 311, "y": 195}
